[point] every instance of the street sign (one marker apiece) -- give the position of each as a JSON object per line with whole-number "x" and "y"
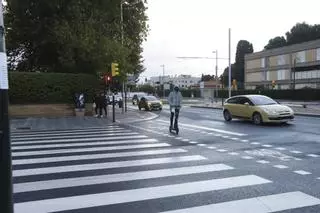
{"x": 202, "y": 85}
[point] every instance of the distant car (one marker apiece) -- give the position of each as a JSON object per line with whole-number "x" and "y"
{"x": 150, "y": 103}
{"x": 258, "y": 108}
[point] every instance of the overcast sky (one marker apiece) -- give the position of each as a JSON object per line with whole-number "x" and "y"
{"x": 197, "y": 27}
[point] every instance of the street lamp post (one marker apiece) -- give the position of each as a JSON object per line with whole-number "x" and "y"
{"x": 216, "y": 76}
{"x": 163, "y": 69}
{"x": 6, "y": 205}
{"x": 229, "y": 80}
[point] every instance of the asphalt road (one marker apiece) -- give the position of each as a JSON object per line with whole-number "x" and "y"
{"x": 211, "y": 166}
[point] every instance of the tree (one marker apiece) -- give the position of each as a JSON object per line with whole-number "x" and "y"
{"x": 301, "y": 32}
{"x": 74, "y": 36}
{"x": 207, "y": 77}
{"x": 276, "y": 42}
{"x": 244, "y": 47}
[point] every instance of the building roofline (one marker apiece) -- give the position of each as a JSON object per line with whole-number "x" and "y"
{"x": 284, "y": 50}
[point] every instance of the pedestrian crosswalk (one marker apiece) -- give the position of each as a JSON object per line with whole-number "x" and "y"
{"x": 114, "y": 169}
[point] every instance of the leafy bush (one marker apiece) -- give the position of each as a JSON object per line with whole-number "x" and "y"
{"x": 44, "y": 88}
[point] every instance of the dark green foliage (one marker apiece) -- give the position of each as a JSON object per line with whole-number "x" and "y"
{"x": 44, "y": 88}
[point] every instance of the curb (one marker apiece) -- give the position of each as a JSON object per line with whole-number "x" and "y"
{"x": 296, "y": 113}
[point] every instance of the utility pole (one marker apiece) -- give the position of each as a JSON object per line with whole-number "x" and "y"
{"x": 229, "y": 81}
{"x": 6, "y": 205}
{"x": 122, "y": 41}
{"x": 216, "y": 76}
{"x": 163, "y": 69}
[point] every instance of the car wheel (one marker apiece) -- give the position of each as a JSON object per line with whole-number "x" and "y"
{"x": 227, "y": 115}
{"x": 257, "y": 119}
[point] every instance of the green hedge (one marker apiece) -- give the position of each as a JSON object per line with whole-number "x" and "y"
{"x": 301, "y": 94}
{"x": 44, "y": 88}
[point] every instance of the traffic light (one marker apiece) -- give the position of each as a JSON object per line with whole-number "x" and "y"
{"x": 108, "y": 79}
{"x": 114, "y": 69}
{"x": 273, "y": 84}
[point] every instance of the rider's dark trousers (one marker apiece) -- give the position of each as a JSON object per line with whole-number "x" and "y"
{"x": 176, "y": 115}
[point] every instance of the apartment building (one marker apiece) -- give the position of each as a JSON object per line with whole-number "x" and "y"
{"x": 296, "y": 66}
{"x": 182, "y": 81}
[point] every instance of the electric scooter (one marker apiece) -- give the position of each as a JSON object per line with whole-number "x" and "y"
{"x": 175, "y": 126}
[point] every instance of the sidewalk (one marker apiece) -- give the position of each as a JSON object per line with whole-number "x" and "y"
{"x": 312, "y": 110}
{"x": 73, "y": 122}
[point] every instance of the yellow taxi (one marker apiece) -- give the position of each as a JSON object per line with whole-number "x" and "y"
{"x": 257, "y": 108}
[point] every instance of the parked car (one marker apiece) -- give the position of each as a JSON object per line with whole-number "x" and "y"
{"x": 150, "y": 103}
{"x": 257, "y": 108}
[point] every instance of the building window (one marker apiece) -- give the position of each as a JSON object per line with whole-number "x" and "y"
{"x": 300, "y": 57}
{"x": 281, "y": 60}
{"x": 282, "y": 74}
{"x": 268, "y": 78}
{"x": 263, "y": 62}
{"x": 318, "y": 54}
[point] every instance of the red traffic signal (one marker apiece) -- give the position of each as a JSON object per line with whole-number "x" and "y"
{"x": 107, "y": 79}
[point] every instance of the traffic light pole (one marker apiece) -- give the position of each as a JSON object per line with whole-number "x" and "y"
{"x": 6, "y": 205}
{"x": 113, "y": 110}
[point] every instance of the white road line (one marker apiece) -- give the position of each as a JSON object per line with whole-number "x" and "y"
{"x": 245, "y": 141}
{"x": 313, "y": 155}
{"x": 50, "y": 134}
{"x": 295, "y": 152}
{"x": 281, "y": 148}
{"x": 318, "y": 178}
{"x": 102, "y": 179}
{"x": 263, "y": 161}
{"x": 281, "y": 166}
{"x": 178, "y": 138}
{"x": 212, "y": 147}
{"x": 247, "y": 157}
{"x": 83, "y": 139}
{"x": 221, "y": 150}
{"x": 125, "y": 196}
{"x": 185, "y": 140}
{"x": 302, "y": 172}
{"x": 82, "y": 144}
{"x": 263, "y": 204}
{"x": 233, "y": 153}
{"x": 267, "y": 145}
{"x": 255, "y": 143}
{"x": 75, "y": 150}
{"x": 225, "y": 136}
{"x": 235, "y": 139}
{"x": 108, "y": 165}
{"x": 193, "y": 142}
{"x": 88, "y": 130}
{"x": 97, "y": 156}
{"x": 201, "y": 144}
{"x": 209, "y": 129}
{"x": 297, "y": 159}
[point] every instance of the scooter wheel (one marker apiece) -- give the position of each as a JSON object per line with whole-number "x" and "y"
{"x": 177, "y": 131}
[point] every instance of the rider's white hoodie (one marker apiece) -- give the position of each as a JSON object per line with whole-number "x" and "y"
{"x": 175, "y": 99}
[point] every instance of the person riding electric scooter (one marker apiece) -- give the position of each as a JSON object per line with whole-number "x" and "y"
{"x": 174, "y": 101}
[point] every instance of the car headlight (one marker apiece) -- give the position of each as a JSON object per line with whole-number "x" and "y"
{"x": 270, "y": 111}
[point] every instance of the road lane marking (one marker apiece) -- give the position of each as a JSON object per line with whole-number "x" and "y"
{"x": 255, "y": 143}
{"x": 247, "y": 157}
{"x": 185, "y": 140}
{"x": 201, "y": 144}
{"x": 98, "y": 138}
{"x": 267, "y": 145}
{"x": 263, "y": 204}
{"x": 295, "y": 152}
{"x": 96, "y": 156}
{"x": 281, "y": 148}
{"x": 235, "y": 139}
{"x": 132, "y": 195}
{"x": 193, "y": 142}
{"x": 108, "y": 165}
{"x": 212, "y": 147}
{"x": 35, "y": 139}
{"x": 46, "y": 146}
{"x": 313, "y": 155}
{"x": 221, "y": 150}
{"x": 65, "y": 134}
{"x": 297, "y": 159}
{"x": 281, "y": 166}
{"x": 245, "y": 141}
{"x": 76, "y": 150}
{"x": 263, "y": 161}
{"x": 233, "y": 153}
{"x": 103, "y": 179}
{"x": 209, "y": 129}
{"x": 302, "y": 172}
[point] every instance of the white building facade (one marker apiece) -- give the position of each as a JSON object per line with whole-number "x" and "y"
{"x": 182, "y": 81}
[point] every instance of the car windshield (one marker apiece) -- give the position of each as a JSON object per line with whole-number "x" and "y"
{"x": 262, "y": 100}
{"x": 151, "y": 98}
